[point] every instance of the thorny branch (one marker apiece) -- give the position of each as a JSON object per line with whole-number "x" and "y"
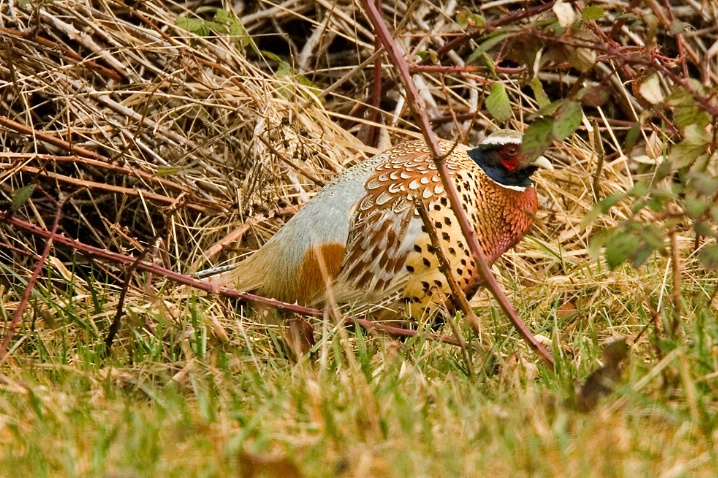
{"x": 17, "y": 316}
{"x": 413, "y": 100}
{"x": 118, "y": 258}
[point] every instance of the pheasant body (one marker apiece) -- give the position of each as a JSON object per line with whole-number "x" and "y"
{"x": 361, "y": 243}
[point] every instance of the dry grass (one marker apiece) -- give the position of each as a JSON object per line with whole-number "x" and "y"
{"x": 196, "y": 138}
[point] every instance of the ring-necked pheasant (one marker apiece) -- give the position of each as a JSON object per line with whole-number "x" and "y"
{"x": 361, "y": 239}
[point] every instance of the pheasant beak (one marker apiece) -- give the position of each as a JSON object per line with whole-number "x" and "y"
{"x": 542, "y": 162}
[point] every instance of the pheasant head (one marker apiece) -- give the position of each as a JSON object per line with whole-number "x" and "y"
{"x": 500, "y": 156}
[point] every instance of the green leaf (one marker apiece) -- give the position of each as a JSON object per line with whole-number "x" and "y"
{"x": 638, "y": 190}
{"x": 21, "y": 196}
{"x": 703, "y": 184}
{"x": 684, "y": 153}
{"x": 677, "y": 27}
{"x": 685, "y": 108}
{"x": 703, "y": 228}
{"x": 609, "y": 201}
{"x": 663, "y": 194}
{"x": 653, "y": 236}
{"x": 493, "y": 40}
{"x": 539, "y": 93}
{"x": 694, "y": 207}
{"x": 498, "y": 103}
{"x": 462, "y": 19}
{"x": 592, "y": 13}
{"x": 568, "y": 118}
{"x": 708, "y": 256}
{"x": 638, "y": 206}
{"x": 640, "y": 255}
{"x": 547, "y": 110}
{"x": 193, "y": 25}
{"x": 685, "y": 116}
{"x": 537, "y": 138}
{"x": 233, "y": 26}
{"x": 680, "y": 97}
{"x": 598, "y": 241}
{"x": 620, "y": 248}
{"x": 632, "y": 136}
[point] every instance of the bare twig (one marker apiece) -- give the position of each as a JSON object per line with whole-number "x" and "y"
{"x": 601, "y": 157}
{"x": 97, "y": 186}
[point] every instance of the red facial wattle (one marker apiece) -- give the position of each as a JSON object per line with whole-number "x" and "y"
{"x": 509, "y": 158}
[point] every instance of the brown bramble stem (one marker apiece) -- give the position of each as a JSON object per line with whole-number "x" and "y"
{"x": 620, "y": 56}
{"x": 118, "y": 258}
{"x": 505, "y": 20}
{"x": 67, "y": 53}
{"x": 413, "y": 100}
{"x": 17, "y": 316}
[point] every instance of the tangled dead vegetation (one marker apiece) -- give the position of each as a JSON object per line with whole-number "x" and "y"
{"x": 190, "y": 132}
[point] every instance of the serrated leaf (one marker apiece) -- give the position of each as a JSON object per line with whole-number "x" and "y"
{"x": 650, "y": 89}
{"x": 539, "y": 94}
{"x": 592, "y": 13}
{"x": 498, "y": 103}
{"x": 21, "y": 196}
{"x": 691, "y": 115}
{"x": 537, "y": 138}
{"x": 568, "y": 118}
{"x": 602, "y": 207}
{"x": 620, "y": 248}
{"x": 582, "y": 59}
{"x": 565, "y": 13}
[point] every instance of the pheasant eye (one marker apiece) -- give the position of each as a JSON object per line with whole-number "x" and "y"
{"x": 509, "y": 157}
